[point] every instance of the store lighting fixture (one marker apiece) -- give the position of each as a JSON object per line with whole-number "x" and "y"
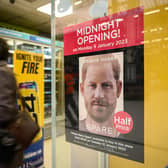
{"x": 135, "y": 16}
{"x": 62, "y": 8}
{"x": 166, "y": 8}
{"x": 156, "y": 40}
{"x": 10, "y": 42}
{"x": 153, "y": 30}
{"x": 120, "y": 19}
{"x": 144, "y": 31}
{"x": 145, "y": 42}
{"x": 78, "y": 2}
{"x": 98, "y": 9}
{"x": 152, "y": 12}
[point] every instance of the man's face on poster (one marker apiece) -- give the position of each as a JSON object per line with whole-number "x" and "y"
{"x": 100, "y": 91}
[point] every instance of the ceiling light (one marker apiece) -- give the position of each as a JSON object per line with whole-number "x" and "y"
{"x": 99, "y": 9}
{"x": 166, "y": 8}
{"x": 78, "y": 2}
{"x": 45, "y": 9}
{"x": 62, "y": 8}
{"x": 152, "y": 12}
{"x": 63, "y": 5}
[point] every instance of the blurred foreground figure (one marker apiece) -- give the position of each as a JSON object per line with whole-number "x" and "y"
{"x": 8, "y": 110}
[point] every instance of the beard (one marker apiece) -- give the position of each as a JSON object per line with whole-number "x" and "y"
{"x": 100, "y": 110}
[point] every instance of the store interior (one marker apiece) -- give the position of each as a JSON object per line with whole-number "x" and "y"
{"x": 26, "y": 16}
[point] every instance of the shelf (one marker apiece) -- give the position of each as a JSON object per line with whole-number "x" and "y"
{"x": 11, "y": 51}
{"x": 47, "y": 104}
{"x": 10, "y": 65}
{"x": 49, "y": 57}
{"x": 47, "y": 68}
{"x": 47, "y": 92}
{"x": 47, "y": 80}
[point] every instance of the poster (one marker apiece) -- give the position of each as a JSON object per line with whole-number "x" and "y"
{"x": 104, "y": 84}
{"x": 28, "y": 68}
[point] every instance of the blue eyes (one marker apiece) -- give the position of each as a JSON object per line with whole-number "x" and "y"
{"x": 103, "y": 85}
{"x": 92, "y": 85}
{"x": 106, "y": 85}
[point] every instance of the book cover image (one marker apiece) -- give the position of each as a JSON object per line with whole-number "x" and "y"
{"x": 100, "y": 93}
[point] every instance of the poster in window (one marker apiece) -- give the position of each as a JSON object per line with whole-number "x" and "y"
{"x": 104, "y": 84}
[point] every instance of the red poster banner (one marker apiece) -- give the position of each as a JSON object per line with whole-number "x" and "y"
{"x": 116, "y": 31}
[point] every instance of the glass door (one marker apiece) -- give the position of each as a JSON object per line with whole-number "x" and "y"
{"x": 69, "y": 155}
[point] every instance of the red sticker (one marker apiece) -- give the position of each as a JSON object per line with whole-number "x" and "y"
{"x": 123, "y": 122}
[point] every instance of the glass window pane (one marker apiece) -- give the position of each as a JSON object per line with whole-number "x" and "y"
{"x": 73, "y": 12}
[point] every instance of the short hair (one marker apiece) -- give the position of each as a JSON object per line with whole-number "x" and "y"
{"x": 4, "y": 54}
{"x": 115, "y": 67}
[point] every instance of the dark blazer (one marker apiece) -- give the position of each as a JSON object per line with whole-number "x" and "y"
{"x": 8, "y": 107}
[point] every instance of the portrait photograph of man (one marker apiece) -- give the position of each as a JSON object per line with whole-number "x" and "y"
{"x": 101, "y": 92}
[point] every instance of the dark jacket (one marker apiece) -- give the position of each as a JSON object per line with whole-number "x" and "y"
{"x": 8, "y": 107}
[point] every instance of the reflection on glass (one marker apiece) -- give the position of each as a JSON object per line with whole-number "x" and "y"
{"x": 59, "y": 82}
{"x": 155, "y": 80}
